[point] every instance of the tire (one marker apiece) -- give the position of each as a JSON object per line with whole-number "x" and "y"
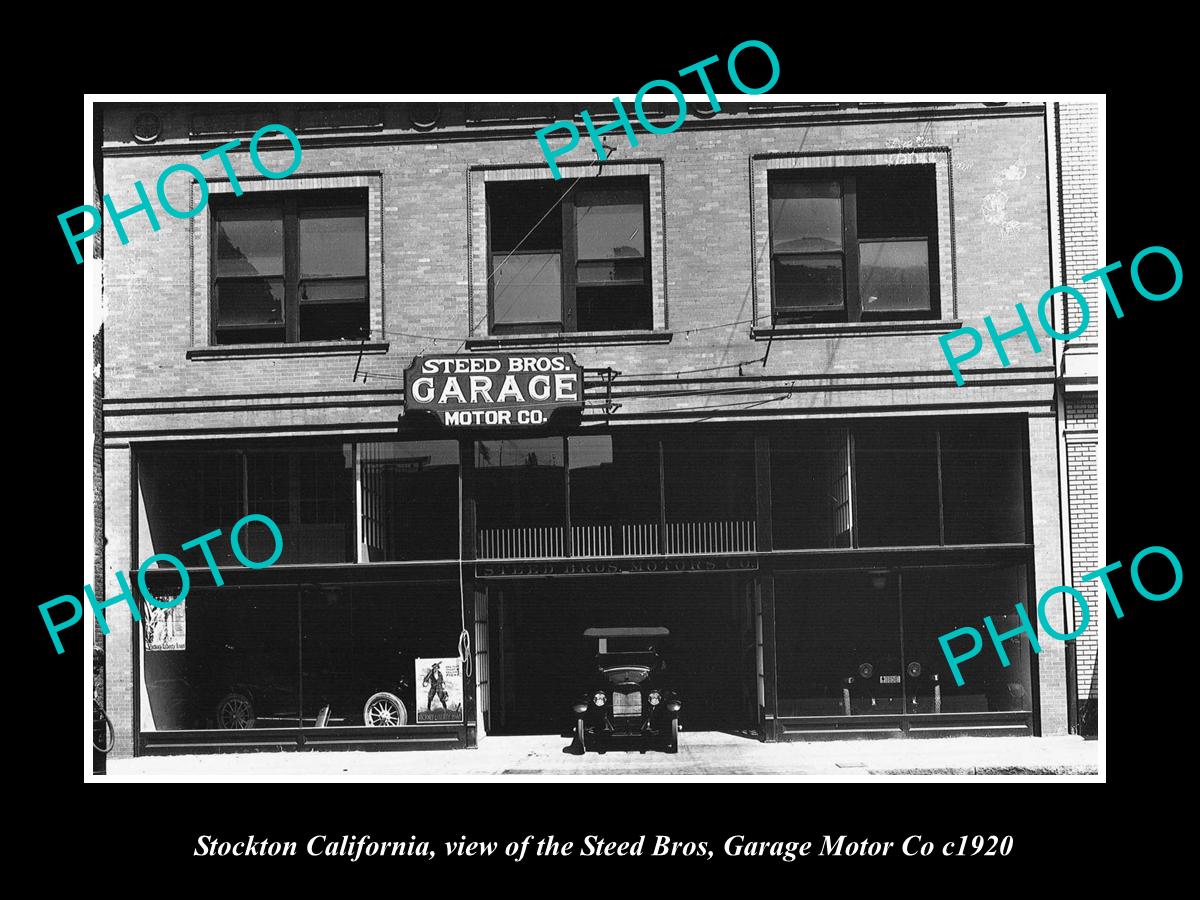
{"x": 384, "y": 709}
{"x": 235, "y": 711}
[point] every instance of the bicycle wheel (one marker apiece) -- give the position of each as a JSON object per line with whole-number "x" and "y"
{"x": 103, "y": 729}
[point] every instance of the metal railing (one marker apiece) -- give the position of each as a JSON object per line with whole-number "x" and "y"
{"x": 711, "y": 537}
{"x": 629, "y": 539}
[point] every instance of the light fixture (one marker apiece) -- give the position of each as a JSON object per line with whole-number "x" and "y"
{"x": 879, "y": 579}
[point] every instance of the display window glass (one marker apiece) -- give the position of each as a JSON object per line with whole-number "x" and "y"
{"x": 615, "y": 494}
{"x": 709, "y": 492}
{"x": 521, "y": 497}
{"x": 863, "y": 643}
{"x": 302, "y": 656}
{"x": 308, "y": 492}
{"x": 408, "y": 500}
{"x": 896, "y": 471}
{"x": 810, "y": 483}
{"x": 984, "y": 462}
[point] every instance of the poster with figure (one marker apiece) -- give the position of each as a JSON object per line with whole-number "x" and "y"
{"x": 165, "y": 629}
{"x": 439, "y": 690}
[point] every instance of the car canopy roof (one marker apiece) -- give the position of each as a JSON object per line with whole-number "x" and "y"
{"x": 630, "y": 631}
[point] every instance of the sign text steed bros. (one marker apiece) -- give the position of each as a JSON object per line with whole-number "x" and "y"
{"x": 494, "y": 388}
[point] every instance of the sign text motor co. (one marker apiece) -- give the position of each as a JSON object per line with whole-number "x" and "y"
{"x": 494, "y": 389}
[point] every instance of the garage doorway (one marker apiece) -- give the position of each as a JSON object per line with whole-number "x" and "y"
{"x": 539, "y": 661}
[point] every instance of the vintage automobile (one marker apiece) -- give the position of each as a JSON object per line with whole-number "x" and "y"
{"x": 875, "y": 687}
{"x": 628, "y": 697}
{"x": 374, "y": 697}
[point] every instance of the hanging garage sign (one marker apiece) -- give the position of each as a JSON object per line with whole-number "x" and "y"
{"x": 493, "y": 388}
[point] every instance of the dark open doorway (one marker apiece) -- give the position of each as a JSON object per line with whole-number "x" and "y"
{"x": 539, "y": 659}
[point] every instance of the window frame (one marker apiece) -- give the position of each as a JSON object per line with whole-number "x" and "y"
{"x": 290, "y": 205}
{"x": 851, "y": 310}
{"x": 569, "y": 256}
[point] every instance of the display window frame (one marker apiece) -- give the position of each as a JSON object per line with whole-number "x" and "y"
{"x": 981, "y": 722}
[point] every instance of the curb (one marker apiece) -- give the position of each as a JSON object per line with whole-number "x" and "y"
{"x": 1049, "y": 769}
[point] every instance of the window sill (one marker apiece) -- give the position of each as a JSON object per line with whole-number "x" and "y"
{"x": 841, "y": 329}
{"x": 312, "y": 348}
{"x": 568, "y": 339}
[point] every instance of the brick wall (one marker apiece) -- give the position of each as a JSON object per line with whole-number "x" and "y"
{"x": 1085, "y": 536}
{"x": 1077, "y": 137}
{"x": 1000, "y": 257}
{"x": 1078, "y": 189}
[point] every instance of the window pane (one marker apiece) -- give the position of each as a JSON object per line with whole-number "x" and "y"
{"x": 275, "y": 335}
{"x": 182, "y": 495}
{"x": 409, "y": 501}
{"x": 838, "y": 644}
{"x": 614, "y": 494}
{"x": 333, "y": 321}
{"x": 522, "y": 503}
{"x": 708, "y": 481}
{"x": 896, "y": 202}
{"x": 806, "y": 283}
{"x": 806, "y": 216}
{"x": 343, "y": 290}
{"x": 527, "y": 288}
{"x": 239, "y": 666}
{"x": 810, "y": 489}
{"x": 611, "y": 226}
{"x": 894, "y": 275}
{"x": 526, "y": 215}
{"x": 937, "y": 601}
{"x": 609, "y": 272}
{"x": 333, "y": 244}
{"x": 983, "y": 481}
{"x": 249, "y": 242}
{"x": 361, "y": 644}
{"x": 614, "y": 308}
{"x": 250, "y": 302}
{"x": 896, "y": 479}
{"x": 309, "y": 494}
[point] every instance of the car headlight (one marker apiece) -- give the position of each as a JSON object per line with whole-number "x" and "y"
{"x": 598, "y": 698}
{"x": 866, "y": 670}
{"x": 914, "y": 669}
{"x": 655, "y": 698}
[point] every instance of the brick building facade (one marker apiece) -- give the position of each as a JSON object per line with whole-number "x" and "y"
{"x": 721, "y": 370}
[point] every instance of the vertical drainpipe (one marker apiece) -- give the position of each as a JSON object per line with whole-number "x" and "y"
{"x": 1058, "y": 275}
{"x": 95, "y": 648}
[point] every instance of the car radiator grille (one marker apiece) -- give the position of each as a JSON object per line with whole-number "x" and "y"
{"x": 627, "y": 704}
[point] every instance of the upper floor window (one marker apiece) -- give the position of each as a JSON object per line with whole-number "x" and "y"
{"x": 573, "y": 262}
{"x": 290, "y": 266}
{"x": 851, "y": 245}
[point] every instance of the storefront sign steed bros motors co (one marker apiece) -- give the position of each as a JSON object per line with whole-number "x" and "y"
{"x": 493, "y": 388}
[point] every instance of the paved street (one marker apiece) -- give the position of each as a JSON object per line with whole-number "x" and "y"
{"x": 700, "y": 754}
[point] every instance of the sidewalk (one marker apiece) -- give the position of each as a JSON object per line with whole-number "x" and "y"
{"x": 700, "y": 754}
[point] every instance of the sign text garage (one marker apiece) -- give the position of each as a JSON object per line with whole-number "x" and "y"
{"x": 494, "y": 388}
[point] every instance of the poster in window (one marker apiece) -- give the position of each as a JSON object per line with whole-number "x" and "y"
{"x": 165, "y": 629}
{"x": 439, "y": 690}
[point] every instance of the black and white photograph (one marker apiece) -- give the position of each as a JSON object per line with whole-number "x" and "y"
{"x": 762, "y": 431}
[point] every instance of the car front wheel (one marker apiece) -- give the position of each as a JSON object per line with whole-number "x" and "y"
{"x": 384, "y": 709}
{"x": 235, "y": 711}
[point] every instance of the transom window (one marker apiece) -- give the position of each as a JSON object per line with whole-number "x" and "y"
{"x": 290, "y": 267}
{"x": 566, "y": 262}
{"x": 852, "y": 245}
